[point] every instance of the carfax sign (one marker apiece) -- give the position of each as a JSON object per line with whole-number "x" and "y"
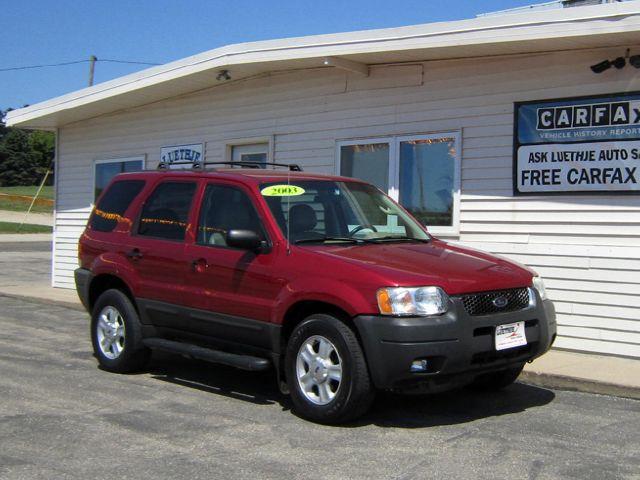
{"x": 578, "y": 145}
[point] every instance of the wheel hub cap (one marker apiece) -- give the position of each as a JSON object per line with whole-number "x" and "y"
{"x": 110, "y": 332}
{"x": 319, "y": 370}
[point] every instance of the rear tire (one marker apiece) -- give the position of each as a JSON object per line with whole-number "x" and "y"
{"x": 497, "y": 380}
{"x": 116, "y": 334}
{"x": 327, "y": 372}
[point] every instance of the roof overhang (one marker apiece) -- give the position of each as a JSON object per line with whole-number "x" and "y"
{"x": 616, "y": 24}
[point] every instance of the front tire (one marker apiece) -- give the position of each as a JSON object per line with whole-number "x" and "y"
{"x": 327, "y": 372}
{"x": 116, "y": 334}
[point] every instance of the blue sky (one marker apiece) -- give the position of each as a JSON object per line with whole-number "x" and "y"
{"x": 46, "y": 31}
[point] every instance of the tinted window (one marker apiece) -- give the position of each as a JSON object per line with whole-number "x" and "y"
{"x": 223, "y": 209}
{"x": 113, "y": 204}
{"x": 166, "y": 211}
{"x": 105, "y": 171}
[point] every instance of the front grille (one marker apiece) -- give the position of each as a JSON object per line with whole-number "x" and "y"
{"x": 496, "y": 302}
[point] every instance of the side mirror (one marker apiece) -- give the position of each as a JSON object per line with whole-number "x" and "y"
{"x": 245, "y": 239}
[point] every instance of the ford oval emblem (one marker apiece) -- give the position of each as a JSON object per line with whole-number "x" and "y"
{"x": 500, "y": 302}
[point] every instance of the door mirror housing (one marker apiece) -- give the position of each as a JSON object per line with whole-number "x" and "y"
{"x": 244, "y": 239}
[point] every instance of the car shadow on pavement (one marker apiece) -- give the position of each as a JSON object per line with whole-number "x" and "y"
{"x": 454, "y": 407}
{"x": 260, "y": 388}
{"x": 389, "y": 410}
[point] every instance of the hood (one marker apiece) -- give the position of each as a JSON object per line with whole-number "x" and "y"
{"x": 455, "y": 269}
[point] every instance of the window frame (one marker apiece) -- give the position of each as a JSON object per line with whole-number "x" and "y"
{"x": 135, "y": 230}
{"x": 256, "y": 207}
{"x": 394, "y": 169}
{"x": 240, "y": 142}
{"x": 137, "y": 158}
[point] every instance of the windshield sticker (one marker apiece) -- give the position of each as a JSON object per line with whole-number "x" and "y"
{"x": 282, "y": 191}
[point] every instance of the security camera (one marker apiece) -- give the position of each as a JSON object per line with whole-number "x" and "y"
{"x": 619, "y": 62}
{"x": 635, "y": 61}
{"x": 601, "y": 67}
{"x": 223, "y": 75}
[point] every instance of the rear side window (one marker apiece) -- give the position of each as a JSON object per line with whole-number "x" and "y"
{"x": 113, "y": 204}
{"x": 166, "y": 211}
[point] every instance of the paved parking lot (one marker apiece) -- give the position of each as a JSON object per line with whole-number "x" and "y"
{"x": 61, "y": 417}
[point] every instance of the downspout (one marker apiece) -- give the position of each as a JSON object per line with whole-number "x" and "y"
{"x": 56, "y": 173}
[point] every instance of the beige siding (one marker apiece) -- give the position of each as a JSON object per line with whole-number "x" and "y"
{"x": 587, "y": 247}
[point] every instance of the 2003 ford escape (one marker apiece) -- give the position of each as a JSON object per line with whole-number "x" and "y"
{"x": 323, "y": 278}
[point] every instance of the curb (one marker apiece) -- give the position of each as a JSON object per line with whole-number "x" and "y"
{"x": 45, "y": 301}
{"x": 563, "y": 382}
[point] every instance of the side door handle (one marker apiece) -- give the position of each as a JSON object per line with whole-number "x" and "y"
{"x": 199, "y": 265}
{"x": 134, "y": 254}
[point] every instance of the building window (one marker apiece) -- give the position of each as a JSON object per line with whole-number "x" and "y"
{"x": 422, "y": 172}
{"x": 105, "y": 170}
{"x": 253, "y": 152}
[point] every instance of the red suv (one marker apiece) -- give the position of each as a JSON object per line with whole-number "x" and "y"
{"x": 323, "y": 278}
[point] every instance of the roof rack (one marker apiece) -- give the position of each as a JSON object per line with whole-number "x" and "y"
{"x": 294, "y": 167}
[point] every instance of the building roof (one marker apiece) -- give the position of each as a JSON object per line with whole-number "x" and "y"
{"x": 616, "y": 24}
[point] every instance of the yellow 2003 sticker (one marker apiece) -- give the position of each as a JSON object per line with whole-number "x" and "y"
{"x": 282, "y": 191}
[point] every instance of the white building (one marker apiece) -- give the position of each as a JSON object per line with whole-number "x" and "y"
{"x": 428, "y": 113}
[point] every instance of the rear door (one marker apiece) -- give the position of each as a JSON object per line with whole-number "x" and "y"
{"x": 156, "y": 251}
{"x": 234, "y": 290}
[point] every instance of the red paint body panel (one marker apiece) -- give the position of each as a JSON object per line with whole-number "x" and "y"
{"x": 264, "y": 286}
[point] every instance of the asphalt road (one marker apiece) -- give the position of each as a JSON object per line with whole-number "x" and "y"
{"x": 61, "y": 417}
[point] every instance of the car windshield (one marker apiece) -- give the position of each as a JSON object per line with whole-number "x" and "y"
{"x": 323, "y": 211}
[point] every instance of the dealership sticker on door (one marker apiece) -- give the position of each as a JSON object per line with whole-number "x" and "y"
{"x": 510, "y": 335}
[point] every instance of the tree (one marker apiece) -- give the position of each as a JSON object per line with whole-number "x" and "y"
{"x": 25, "y": 156}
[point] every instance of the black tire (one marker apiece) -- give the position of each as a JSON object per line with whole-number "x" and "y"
{"x": 355, "y": 392}
{"x": 497, "y": 380}
{"x": 134, "y": 355}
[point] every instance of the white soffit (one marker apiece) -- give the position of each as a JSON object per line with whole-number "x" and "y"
{"x": 580, "y": 27}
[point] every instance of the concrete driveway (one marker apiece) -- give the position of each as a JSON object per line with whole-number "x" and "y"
{"x": 61, "y": 417}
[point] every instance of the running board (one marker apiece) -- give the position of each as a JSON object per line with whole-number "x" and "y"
{"x": 244, "y": 362}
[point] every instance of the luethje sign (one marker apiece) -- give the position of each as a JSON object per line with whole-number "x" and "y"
{"x": 579, "y": 145}
{"x": 181, "y": 153}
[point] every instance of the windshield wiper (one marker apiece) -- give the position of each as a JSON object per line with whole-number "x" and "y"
{"x": 401, "y": 238}
{"x": 333, "y": 239}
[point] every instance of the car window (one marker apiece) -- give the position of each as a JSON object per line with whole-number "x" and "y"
{"x": 113, "y": 204}
{"x": 302, "y": 213}
{"x": 166, "y": 211}
{"x": 225, "y": 208}
{"x": 316, "y": 209}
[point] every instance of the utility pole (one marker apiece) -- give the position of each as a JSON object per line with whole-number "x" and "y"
{"x": 92, "y": 66}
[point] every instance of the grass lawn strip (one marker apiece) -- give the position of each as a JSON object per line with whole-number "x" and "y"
{"x": 9, "y": 227}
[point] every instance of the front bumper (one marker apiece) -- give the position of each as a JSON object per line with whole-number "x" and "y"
{"x": 457, "y": 346}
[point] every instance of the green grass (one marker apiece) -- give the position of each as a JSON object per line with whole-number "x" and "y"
{"x": 21, "y": 205}
{"x": 8, "y": 227}
{"x": 47, "y": 192}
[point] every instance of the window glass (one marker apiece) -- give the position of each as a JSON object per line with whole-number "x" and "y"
{"x": 340, "y": 209}
{"x": 166, "y": 211}
{"x": 113, "y": 204}
{"x": 369, "y": 162}
{"x": 105, "y": 171}
{"x": 427, "y": 171}
{"x": 255, "y": 152}
{"x": 225, "y": 208}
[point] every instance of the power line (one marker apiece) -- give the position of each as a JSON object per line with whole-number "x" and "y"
{"x": 75, "y": 62}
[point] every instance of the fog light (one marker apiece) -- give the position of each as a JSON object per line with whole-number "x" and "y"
{"x": 419, "y": 366}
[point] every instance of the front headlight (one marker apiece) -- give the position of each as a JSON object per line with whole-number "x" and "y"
{"x": 538, "y": 284}
{"x": 412, "y": 301}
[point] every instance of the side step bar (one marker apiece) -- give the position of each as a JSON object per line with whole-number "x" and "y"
{"x": 244, "y": 362}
